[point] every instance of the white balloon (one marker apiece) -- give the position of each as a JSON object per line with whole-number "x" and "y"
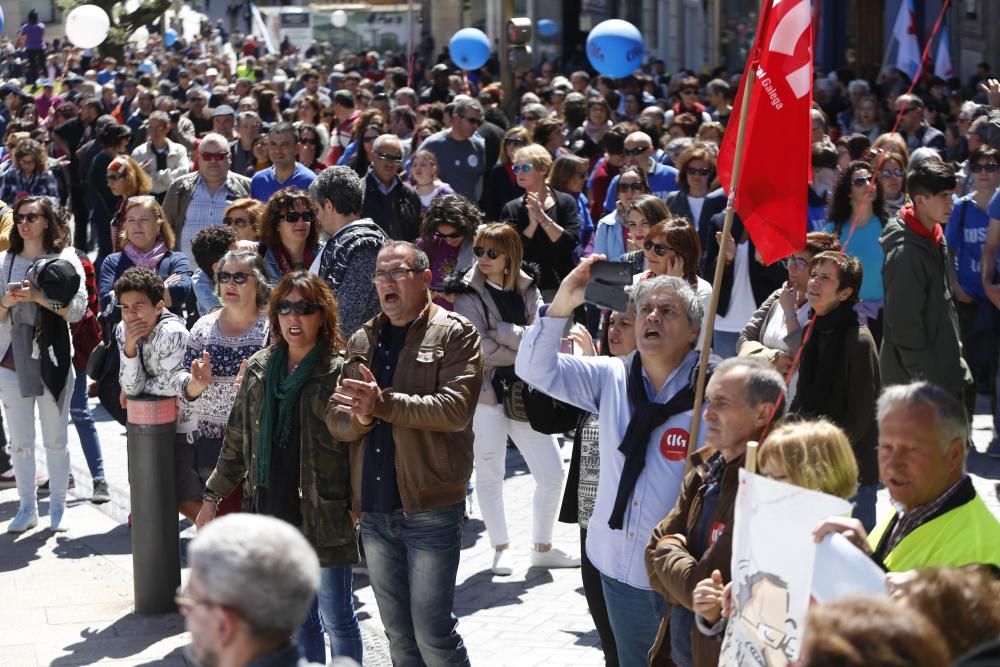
{"x": 140, "y": 36}
{"x": 339, "y": 18}
{"x": 87, "y": 26}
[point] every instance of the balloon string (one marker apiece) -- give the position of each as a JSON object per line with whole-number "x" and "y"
{"x": 854, "y": 221}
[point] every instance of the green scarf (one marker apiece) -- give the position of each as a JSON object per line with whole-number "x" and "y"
{"x": 281, "y": 392}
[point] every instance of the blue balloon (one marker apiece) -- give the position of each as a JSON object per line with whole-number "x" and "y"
{"x": 615, "y": 48}
{"x": 548, "y": 28}
{"x": 469, "y": 48}
{"x": 169, "y": 37}
{"x": 1, "y": 19}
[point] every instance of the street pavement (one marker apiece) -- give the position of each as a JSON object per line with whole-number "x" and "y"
{"x": 66, "y": 599}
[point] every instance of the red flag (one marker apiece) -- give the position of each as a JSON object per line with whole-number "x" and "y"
{"x": 772, "y": 188}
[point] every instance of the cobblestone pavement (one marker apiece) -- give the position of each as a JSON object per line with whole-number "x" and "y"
{"x": 67, "y": 599}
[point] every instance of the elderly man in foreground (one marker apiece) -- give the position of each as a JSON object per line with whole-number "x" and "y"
{"x": 644, "y": 403}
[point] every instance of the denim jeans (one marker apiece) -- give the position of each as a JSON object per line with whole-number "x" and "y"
{"x": 412, "y": 564}
{"x": 635, "y": 616}
{"x": 79, "y": 412}
{"x": 864, "y": 505}
{"x": 332, "y": 610}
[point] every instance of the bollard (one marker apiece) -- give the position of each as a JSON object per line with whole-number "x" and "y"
{"x": 156, "y": 557}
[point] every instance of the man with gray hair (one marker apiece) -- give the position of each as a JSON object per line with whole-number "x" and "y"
{"x": 252, "y": 581}
{"x": 391, "y": 203}
{"x": 460, "y": 151}
{"x": 937, "y": 518}
{"x": 644, "y": 402}
{"x": 695, "y": 539}
{"x": 347, "y": 261}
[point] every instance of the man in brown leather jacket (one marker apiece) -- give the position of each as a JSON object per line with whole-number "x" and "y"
{"x": 696, "y": 537}
{"x": 411, "y": 385}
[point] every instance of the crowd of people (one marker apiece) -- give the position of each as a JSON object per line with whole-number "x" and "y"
{"x": 362, "y": 284}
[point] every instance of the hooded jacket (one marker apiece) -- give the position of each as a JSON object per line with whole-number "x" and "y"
{"x": 920, "y": 340}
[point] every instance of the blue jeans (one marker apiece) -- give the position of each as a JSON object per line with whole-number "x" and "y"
{"x": 864, "y": 505}
{"x": 724, "y": 343}
{"x": 332, "y": 610}
{"x": 635, "y": 616}
{"x": 412, "y": 565}
{"x": 79, "y": 412}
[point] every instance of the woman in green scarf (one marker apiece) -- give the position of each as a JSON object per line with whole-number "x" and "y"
{"x": 293, "y": 468}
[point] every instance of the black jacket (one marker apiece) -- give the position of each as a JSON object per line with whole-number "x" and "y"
{"x": 397, "y": 213}
{"x": 554, "y": 259}
{"x": 763, "y": 279}
{"x": 715, "y": 202}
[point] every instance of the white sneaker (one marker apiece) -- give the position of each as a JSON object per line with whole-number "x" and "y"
{"x": 498, "y": 558}
{"x": 553, "y": 558}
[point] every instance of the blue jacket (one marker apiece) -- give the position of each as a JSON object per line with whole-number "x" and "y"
{"x": 609, "y": 240}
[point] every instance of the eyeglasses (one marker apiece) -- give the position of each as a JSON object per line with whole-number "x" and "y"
{"x": 988, "y": 167}
{"x": 906, "y": 111}
{"x": 469, "y": 119}
{"x": 798, "y": 262}
{"x": 479, "y": 251}
{"x": 369, "y": 140}
{"x": 698, "y": 171}
{"x": 240, "y": 277}
{"x": 215, "y": 157}
{"x": 394, "y": 276}
{"x": 229, "y": 221}
{"x": 309, "y": 142}
{"x": 298, "y": 307}
{"x": 31, "y": 218}
{"x": 861, "y": 181}
{"x": 526, "y": 168}
{"x": 114, "y": 177}
{"x": 634, "y": 187}
{"x": 515, "y": 142}
{"x": 889, "y": 173}
{"x": 453, "y": 235}
{"x": 295, "y": 216}
{"x": 388, "y": 157}
{"x": 636, "y": 152}
{"x": 658, "y": 248}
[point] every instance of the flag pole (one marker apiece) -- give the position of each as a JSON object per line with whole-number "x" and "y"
{"x": 708, "y": 324}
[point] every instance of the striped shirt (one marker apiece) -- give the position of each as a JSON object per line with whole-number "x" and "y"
{"x": 205, "y": 210}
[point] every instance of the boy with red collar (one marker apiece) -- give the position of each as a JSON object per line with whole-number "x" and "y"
{"x": 921, "y": 338}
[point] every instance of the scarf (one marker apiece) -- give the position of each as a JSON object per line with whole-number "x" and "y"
{"x": 285, "y": 262}
{"x": 149, "y": 259}
{"x": 698, "y": 109}
{"x": 908, "y": 215}
{"x": 281, "y": 393}
{"x": 821, "y": 389}
{"x": 647, "y": 416}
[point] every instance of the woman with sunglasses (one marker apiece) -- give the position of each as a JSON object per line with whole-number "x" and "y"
{"x": 243, "y": 216}
{"x": 687, "y": 102}
{"x": 289, "y": 233}
{"x": 643, "y": 213}
{"x": 698, "y": 198}
{"x": 501, "y": 182}
{"x": 892, "y": 177}
{"x": 857, "y": 215}
{"x": 29, "y": 174}
{"x": 277, "y": 441}
{"x": 219, "y": 344}
{"x": 501, "y": 300}
{"x": 29, "y": 320}
{"x": 612, "y": 237}
{"x": 362, "y": 158}
{"x": 774, "y": 332}
{"x": 148, "y": 240}
{"x": 424, "y": 174}
{"x": 446, "y": 233}
{"x": 547, "y": 219}
{"x": 310, "y": 146}
{"x": 672, "y": 248}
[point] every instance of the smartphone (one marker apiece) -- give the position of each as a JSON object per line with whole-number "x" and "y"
{"x": 567, "y": 346}
{"x": 14, "y": 287}
{"x": 611, "y": 273}
{"x": 611, "y": 297}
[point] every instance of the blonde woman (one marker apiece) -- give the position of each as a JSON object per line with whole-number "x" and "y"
{"x": 243, "y": 217}
{"x": 501, "y": 300}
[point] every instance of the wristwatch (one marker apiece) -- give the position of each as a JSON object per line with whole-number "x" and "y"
{"x": 55, "y": 306}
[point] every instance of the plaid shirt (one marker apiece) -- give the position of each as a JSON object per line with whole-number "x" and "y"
{"x": 907, "y": 522}
{"x": 16, "y": 185}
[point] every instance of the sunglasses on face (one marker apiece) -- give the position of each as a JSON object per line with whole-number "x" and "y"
{"x": 114, "y": 177}
{"x": 468, "y": 119}
{"x": 215, "y": 157}
{"x": 295, "y": 216}
{"x": 906, "y": 111}
{"x": 988, "y": 167}
{"x": 229, "y": 221}
{"x": 634, "y": 187}
{"x": 889, "y": 173}
{"x": 309, "y": 142}
{"x": 479, "y": 251}
{"x": 658, "y": 248}
{"x": 388, "y": 157}
{"x": 636, "y": 152}
{"x": 29, "y": 217}
{"x": 453, "y": 235}
{"x": 240, "y": 278}
{"x": 688, "y": 91}
{"x": 861, "y": 181}
{"x": 515, "y": 142}
{"x": 298, "y": 307}
{"x": 526, "y": 168}
{"x": 699, "y": 171}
